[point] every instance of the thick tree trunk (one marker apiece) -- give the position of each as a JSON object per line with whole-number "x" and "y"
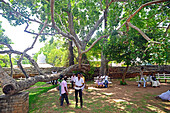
{"x": 79, "y": 60}
{"x": 11, "y": 86}
{"x": 71, "y": 55}
{"x": 103, "y": 67}
{"x": 104, "y": 63}
{"x": 124, "y": 74}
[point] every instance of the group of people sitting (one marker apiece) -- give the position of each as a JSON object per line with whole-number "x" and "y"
{"x": 154, "y": 82}
{"x": 151, "y": 78}
{"x": 102, "y": 81}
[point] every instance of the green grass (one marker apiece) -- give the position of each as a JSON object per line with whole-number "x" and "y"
{"x": 34, "y": 94}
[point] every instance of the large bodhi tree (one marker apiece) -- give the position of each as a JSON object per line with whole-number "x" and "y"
{"x": 54, "y": 17}
{"x": 75, "y": 20}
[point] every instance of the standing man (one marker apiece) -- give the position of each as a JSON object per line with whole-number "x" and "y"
{"x": 64, "y": 92}
{"x": 79, "y": 83}
{"x": 83, "y": 80}
{"x": 142, "y": 78}
{"x": 73, "y": 77}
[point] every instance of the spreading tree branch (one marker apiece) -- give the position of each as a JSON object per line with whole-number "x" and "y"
{"x": 32, "y": 61}
{"x": 22, "y": 56}
{"x": 68, "y": 35}
{"x": 146, "y": 4}
{"x": 71, "y": 24}
{"x": 37, "y": 33}
{"x": 94, "y": 43}
{"x": 141, "y": 32}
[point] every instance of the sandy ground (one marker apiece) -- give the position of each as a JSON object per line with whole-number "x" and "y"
{"x": 131, "y": 90}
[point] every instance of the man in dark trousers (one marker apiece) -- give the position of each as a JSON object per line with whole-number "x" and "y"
{"x": 79, "y": 83}
{"x": 64, "y": 92}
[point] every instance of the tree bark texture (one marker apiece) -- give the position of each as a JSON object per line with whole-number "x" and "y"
{"x": 124, "y": 74}
{"x": 10, "y": 86}
{"x": 71, "y": 55}
{"x": 103, "y": 65}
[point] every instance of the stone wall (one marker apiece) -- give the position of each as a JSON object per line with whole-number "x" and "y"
{"x": 117, "y": 72}
{"x": 114, "y": 72}
{"x": 18, "y": 103}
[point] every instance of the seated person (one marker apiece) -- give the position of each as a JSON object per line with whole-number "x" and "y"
{"x": 99, "y": 81}
{"x": 54, "y": 81}
{"x": 155, "y": 83}
{"x": 164, "y": 96}
{"x": 105, "y": 81}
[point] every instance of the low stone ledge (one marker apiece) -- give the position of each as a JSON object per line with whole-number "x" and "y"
{"x": 17, "y": 103}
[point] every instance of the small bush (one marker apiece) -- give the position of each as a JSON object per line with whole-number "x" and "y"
{"x": 123, "y": 83}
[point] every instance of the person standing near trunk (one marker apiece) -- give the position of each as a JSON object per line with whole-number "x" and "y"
{"x": 73, "y": 77}
{"x": 64, "y": 92}
{"x": 79, "y": 83}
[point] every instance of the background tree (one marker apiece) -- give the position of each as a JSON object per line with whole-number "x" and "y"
{"x": 56, "y": 53}
{"x": 54, "y": 17}
{"x": 152, "y": 28}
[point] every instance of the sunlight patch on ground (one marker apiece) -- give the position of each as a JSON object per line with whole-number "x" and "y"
{"x": 88, "y": 101}
{"x": 72, "y": 103}
{"x": 95, "y": 88}
{"x": 167, "y": 103}
{"x": 154, "y": 108}
{"x": 119, "y": 100}
{"x": 108, "y": 94}
{"x": 115, "y": 100}
{"x": 167, "y": 107}
{"x": 55, "y": 106}
{"x": 52, "y": 90}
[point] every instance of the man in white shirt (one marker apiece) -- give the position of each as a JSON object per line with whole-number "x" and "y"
{"x": 73, "y": 77}
{"x": 64, "y": 92}
{"x": 79, "y": 83}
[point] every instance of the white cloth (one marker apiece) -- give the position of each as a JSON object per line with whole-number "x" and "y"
{"x": 63, "y": 84}
{"x": 54, "y": 72}
{"x": 78, "y": 83}
{"x": 165, "y": 96}
{"x": 73, "y": 78}
{"x": 154, "y": 83}
{"x": 106, "y": 78}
